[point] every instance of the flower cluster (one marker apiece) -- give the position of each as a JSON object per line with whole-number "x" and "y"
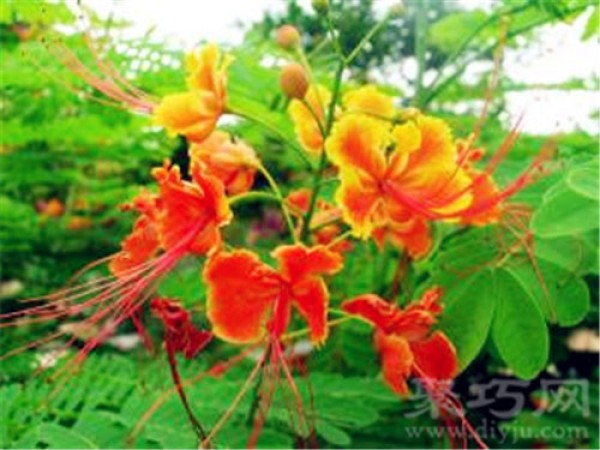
{"x": 398, "y": 172}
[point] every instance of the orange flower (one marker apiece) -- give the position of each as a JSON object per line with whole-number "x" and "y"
{"x": 184, "y": 217}
{"x": 143, "y": 241}
{"x": 404, "y": 339}
{"x": 232, "y": 162}
{"x": 194, "y": 113}
{"x": 308, "y": 121}
{"x": 247, "y": 298}
{"x": 393, "y": 194}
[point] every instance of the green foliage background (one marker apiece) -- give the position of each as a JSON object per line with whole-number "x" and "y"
{"x": 55, "y": 144}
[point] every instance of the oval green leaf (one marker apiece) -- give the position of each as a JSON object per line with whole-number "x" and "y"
{"x": 468, "y": 315}
{"x": 519, "y": 329}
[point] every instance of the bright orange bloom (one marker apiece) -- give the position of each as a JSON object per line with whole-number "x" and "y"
{"x": 308, "y": 122}
{"x": 195, "y": 112}
{"x": 232, "y": 162}
{"x": 395, "y": 179}
{"x": 404, "y": 339}
{"x": 323, "y": 226}
{"x": 184, "y": 217}
{"x": 247, "y": 298}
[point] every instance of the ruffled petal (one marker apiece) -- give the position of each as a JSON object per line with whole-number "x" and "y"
{"x": 396, "y": 361}
{"x": 241, "y": 295}
{"x": 207, "y": 71}
{"x": 369, "y": 100}
{"x": 192, "y": 212}
{"x": 233, "y": 163}
{"x": 407, "y": 137}
{"x": 298, "y": 263}
{"x": 143, "y": 242}
{"x": 361, "y": 202}
{"x": 311, "y": 298}
{"x": 137, "y": 248}
{"x": 193, "y": 114}
{"x": 357, "y": 143}
{"x": 435, "y": 357}
{"x": 306, "y": 122}
{"x": 374, "y": 309}
{"x": 415, "y": 321}
{"x": 413, "y": 236}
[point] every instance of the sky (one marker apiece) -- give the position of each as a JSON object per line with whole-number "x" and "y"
{"x": 557, "y": 56}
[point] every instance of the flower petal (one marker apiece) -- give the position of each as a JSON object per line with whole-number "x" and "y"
{"x": 193, "y": 114}
{"x": 361, "y": 203}
{"x": 413, "y": 235}
{"x": 435, "y": 357}
{"x": 407, "y": 137}
{"x": 312, "y": 299}
{"x": 241, "y": 294}
{"x": 369, "y": 100}
{"x": 357, "y": 143}
{"x": 192, "y": 212}
{"x": 305, "y": 120}
{"x": 233, "y": 163}
{"x": 396, "y": 360}
{"x": 374, "y": 309}
{"x": 298, "y": 263}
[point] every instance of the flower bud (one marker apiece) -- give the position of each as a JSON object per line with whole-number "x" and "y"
{"x": 287, "y": 37}
{"x": 294, "y": 81}
{"x": 320, "y": 6}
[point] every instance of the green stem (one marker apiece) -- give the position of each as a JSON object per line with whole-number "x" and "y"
{"x": 469, "y": 39}
{"x": 286, "y": 213}
{"x": 323, "y": 162}
{"x": 372, "y": 32}
{"x": 333, "y": 36}
{"x": 252, "y": 196}
{"x": 314, "y": 115}
{"x": 420, "y": 47}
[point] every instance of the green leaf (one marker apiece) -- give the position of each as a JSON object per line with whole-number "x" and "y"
{"x": 54, "y": 436}
{"x": 470, "y": 307}
{"x": 577, "y": 254}
{"x": 591, "y": 28}
{"x": 584, "y": 181}
{"x": 519, "y": 330}
{"x": 443, "y": 35}
{"x": 333, "y": 434}
{"x": 563, "y": 297}
{"x": 565, "y": 212}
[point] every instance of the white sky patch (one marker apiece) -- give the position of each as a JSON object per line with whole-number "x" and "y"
{"x": 558, "y": 55}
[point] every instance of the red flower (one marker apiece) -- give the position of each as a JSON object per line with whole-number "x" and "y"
{"x": 404, "y": 339}
{"x": 247, "y": 298}
{"x": 181, "y": 336}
